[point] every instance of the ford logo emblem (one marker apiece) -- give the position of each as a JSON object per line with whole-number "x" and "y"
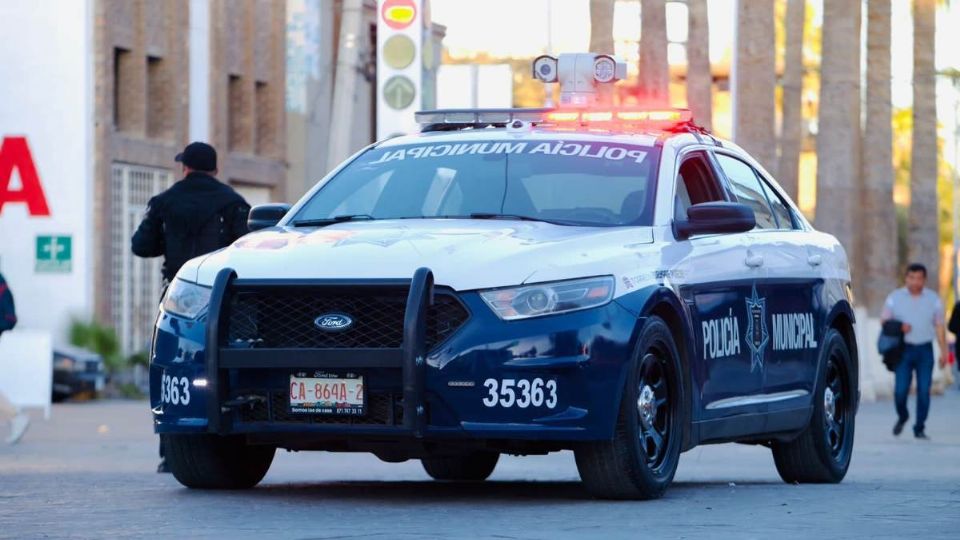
{"x": 333, "y": 322}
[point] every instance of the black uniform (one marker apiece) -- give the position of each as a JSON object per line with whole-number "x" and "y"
{"x": 196, "y": 215}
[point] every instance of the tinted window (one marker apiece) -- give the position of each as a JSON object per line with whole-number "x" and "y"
{"x": 695, "y": 185}
{"x": 780, "y": 208}
{"x": 571, "y": 182}
{"x": 746, "y": 186}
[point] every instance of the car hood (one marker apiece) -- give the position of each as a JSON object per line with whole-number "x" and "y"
{"x": 463, "y": 254}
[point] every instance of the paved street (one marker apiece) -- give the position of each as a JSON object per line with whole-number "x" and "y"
{"x": 90, "y": 470}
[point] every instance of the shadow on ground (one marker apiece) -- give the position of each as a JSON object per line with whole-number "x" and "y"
{"x": 394, "y": 492}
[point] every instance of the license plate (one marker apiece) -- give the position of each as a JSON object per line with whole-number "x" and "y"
{"x": 327, "y": 393}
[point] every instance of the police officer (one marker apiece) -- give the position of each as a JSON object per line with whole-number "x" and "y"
{"x": 197, "y": 215}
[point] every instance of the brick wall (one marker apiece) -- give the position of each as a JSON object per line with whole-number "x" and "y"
{"x": 142, "y": 98}
{"x": 248, "y": 59}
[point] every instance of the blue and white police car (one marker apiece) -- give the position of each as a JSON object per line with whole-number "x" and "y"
{"x": 615, "y": 282}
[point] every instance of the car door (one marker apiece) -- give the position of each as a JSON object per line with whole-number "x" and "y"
{"x": 715, "y": 280}
{"x": 787, "y": 310}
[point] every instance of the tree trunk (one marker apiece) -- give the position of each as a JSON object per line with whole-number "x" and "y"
{"x": 601, "y": 26}
{"x": 923, "y": 237}
{"x": 755, "y": 81}
{"x": 879, "y": 246}
{"x": 699, "y": 76}
{"x": 791, "y": 131}
{"x": 654, "y": 83}
{"x": 838, "y": 134}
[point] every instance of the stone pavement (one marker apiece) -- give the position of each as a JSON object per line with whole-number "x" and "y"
{"x": 88, "y": 473}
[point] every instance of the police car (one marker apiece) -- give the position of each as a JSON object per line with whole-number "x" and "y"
{"x": 616, "y": 282}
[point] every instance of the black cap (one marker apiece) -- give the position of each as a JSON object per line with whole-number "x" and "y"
{"x": 198, "y": 156}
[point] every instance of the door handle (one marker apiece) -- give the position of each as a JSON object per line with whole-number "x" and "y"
{"x": 814, "y": 260}
{"x": 753, "y": 261}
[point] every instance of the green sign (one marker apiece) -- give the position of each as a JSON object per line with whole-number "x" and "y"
{"x": 399, "y": 92}
{"x": 54, "y": 254}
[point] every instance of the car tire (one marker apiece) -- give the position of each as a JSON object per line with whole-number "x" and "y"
{"x": 474, "y": 467}
{"x": 205, "y": 461}
{"x": 641, "y": 459}
{"x": 821, "y": 454}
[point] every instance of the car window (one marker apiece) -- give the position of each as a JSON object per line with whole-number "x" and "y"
{"x": 746, "y": 186}
{"x": 780, "y": 208}
{"x": 570, "y": 182}
{"x": 695, "y": 185}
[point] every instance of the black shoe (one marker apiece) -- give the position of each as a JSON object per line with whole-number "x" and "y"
{"x": 921, "y": 435}
{"x": 163, "y": 467}
{"x": 898, "y": 427}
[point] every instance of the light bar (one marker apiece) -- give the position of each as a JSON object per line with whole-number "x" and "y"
{"x": 648, "y": 118}
{"x": 480, "y": 116}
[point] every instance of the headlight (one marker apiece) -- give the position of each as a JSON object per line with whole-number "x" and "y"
{"x": 186, "y": 299}
{"x": 549, "y": 298}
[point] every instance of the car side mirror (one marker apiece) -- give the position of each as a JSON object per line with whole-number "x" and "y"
{"x": 716, "y": 217}
{"x": 266, "y": 215}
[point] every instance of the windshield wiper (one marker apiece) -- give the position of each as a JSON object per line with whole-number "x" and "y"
{"x": 493, "y": 215}
{"x": 517, "y": 217}
{"x": 330, "y": 221}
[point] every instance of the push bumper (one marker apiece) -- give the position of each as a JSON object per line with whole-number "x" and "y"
{"x": 440, "y": 393}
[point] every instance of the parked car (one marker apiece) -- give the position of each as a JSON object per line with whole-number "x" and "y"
{"x": 76, "y": 373}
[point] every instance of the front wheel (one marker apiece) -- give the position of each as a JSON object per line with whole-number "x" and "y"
{"x": 474, "y": 467}
{"x": 206, "y": 461}
{"x": 640, "y": 461}
{"x": 821, "y": 454}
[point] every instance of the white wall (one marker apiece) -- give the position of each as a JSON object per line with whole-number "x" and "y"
{"x": 46, "y": 95}
{"x": 199, "y": 70}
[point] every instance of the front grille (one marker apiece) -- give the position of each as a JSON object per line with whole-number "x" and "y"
{"x": 383, "y": 409}
{"x": 284, "y": 318}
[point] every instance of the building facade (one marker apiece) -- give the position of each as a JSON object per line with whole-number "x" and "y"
{"x": 168, "y": 73}
{"x": 108, "y": 91}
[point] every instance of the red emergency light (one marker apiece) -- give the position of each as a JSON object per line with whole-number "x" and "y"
{"x": 648, "y": 118}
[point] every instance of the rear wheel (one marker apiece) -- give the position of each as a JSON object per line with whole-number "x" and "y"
{"x": 821, "y": 454}
{"x": 473, "y": 467}
{"x": 640, "y": 461}
{"x": 207, "y": 461}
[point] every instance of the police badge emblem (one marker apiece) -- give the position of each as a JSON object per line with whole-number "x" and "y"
{"x": 757, "y": 336}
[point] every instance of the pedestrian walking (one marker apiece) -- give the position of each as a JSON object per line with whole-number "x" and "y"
{"x": 920, "y": 314}
{"x": 9, "y": 413}
{"x": 197, "y": 215}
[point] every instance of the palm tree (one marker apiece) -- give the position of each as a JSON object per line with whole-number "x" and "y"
{"x": 755, "y": 81}
{"x": 699, "y": 76}
{"x": 791, "y": 131}
{"x": 923, "y": 237}
{"x": 879, "y": 253}
{"x": 601, "y": 26}
{"x": 654, "y": 83}
{"x": 838, "y": 133}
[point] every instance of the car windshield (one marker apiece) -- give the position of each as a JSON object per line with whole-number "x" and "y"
{"x": 562, "y": 181}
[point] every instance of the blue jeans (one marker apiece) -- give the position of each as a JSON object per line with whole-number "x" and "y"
{"x": 917, "y": 358}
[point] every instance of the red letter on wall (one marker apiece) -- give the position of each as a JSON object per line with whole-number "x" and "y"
{"x": 14, "y": 153}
